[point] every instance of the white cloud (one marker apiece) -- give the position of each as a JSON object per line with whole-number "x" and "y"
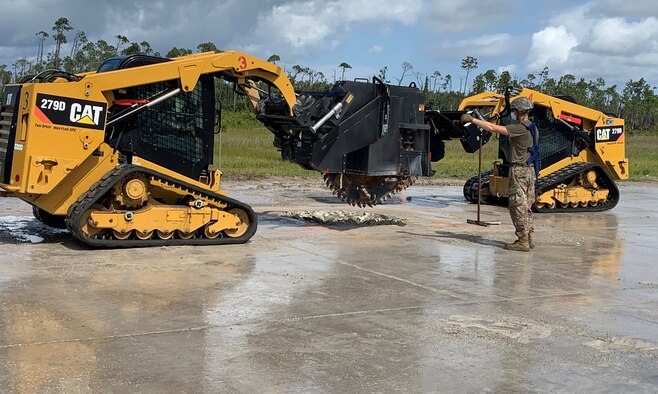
{"x": 400, "y": 11}
{"x": 450, "y": 16}
{"x": 490, "y": 45}
{"x": 551, "y": 47}
{"x": 648, "y": 59}
{"x": 311, "y": 24}
{"x": 620, "y": 37}
{"x": 510, "y": 68}
{"x": 616, "y": 40}
{"x": 624, "y": 8}
{"x": 376, "y": 49}
{"x": 302, "y": 31}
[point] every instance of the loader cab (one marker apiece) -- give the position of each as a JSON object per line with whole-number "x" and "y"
{"x": 556, "y": 141}
{"x": 177, "y": 133}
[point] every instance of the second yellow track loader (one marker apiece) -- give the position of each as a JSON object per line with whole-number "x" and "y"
{"x": 582, "y": 153}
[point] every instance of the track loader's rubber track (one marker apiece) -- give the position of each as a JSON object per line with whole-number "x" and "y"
{"x": 48, "y": 219}
{"x": 471, "y": 189}
{"x": 564, "y": 175}
{"x": 552, "y": 180}
{"x": 100, "y": 188}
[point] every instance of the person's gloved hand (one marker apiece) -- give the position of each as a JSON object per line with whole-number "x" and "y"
{"x": 466, "y": 118}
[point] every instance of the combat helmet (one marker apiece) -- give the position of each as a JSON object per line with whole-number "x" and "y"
{"x": 521, "y": 104}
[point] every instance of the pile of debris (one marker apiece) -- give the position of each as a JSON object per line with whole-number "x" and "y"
{"x": 345, "y": 217}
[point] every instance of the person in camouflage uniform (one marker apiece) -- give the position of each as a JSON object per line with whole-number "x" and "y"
{"x": 522, "y": 172}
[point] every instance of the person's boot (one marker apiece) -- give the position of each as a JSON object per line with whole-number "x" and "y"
{"x": 531, "y": 243}
{"x": 520, "y": 244}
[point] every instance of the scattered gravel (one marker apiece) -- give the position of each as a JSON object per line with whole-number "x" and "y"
{"x": 344, "y": 217}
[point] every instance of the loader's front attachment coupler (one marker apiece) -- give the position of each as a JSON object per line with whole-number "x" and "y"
{"x": 446, "y": 125}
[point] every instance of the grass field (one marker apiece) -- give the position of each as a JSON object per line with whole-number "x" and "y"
{"x": 247, "y": 150}
{"x": 642, "y": 153}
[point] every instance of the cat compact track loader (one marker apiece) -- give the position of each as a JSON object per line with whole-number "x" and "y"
{"x": 582, "y": 153}
{"x": 124, "y": 156}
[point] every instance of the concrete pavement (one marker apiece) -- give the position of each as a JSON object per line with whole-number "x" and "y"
{"x": 433, "y": 306}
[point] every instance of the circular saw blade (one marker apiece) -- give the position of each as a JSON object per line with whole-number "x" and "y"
{"x": 365, "y": 191}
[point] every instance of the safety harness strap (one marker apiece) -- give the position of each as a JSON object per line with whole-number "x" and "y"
{"x": 534, "y": 158}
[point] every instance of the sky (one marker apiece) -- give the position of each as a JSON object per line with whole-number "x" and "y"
{"x": 610, "y": 39}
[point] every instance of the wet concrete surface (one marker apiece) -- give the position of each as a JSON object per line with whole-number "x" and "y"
{"x": 435, "y": 305}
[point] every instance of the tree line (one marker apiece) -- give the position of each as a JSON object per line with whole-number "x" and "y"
{"x": 636, "y": 101}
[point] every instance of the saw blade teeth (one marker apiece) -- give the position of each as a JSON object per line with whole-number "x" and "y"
{"x": 366, "y": 191}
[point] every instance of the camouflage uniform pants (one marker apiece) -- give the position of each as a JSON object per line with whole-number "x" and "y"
{"x": 521, "y": 198}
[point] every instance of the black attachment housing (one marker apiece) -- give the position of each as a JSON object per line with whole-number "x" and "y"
{"x": 382, "y": 130}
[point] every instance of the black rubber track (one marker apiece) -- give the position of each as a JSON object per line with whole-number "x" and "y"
{"x": 55, "y": 221}
{"x": 100, "y": 188}
{"x": 471, "y": 189}
{"x": 564, "y": 175}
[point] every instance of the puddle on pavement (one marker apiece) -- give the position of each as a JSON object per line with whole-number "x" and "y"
{"x": 424, "y": 196}
{"x": 422, "y": 200}
{"x": 343, "y": 217}
{"x": 26, "y": 229}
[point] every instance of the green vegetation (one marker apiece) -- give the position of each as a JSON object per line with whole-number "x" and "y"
{"x": 248, "y": 151}
{"x": 462, "y": 165}
{"x": 642, "y": 153}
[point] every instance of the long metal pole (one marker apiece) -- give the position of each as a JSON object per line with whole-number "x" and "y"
{"x": 479, "y": 191}
{"x": 479, "y": 173}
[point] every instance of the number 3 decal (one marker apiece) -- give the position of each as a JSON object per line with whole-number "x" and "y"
{"x": 242, "y": 62}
